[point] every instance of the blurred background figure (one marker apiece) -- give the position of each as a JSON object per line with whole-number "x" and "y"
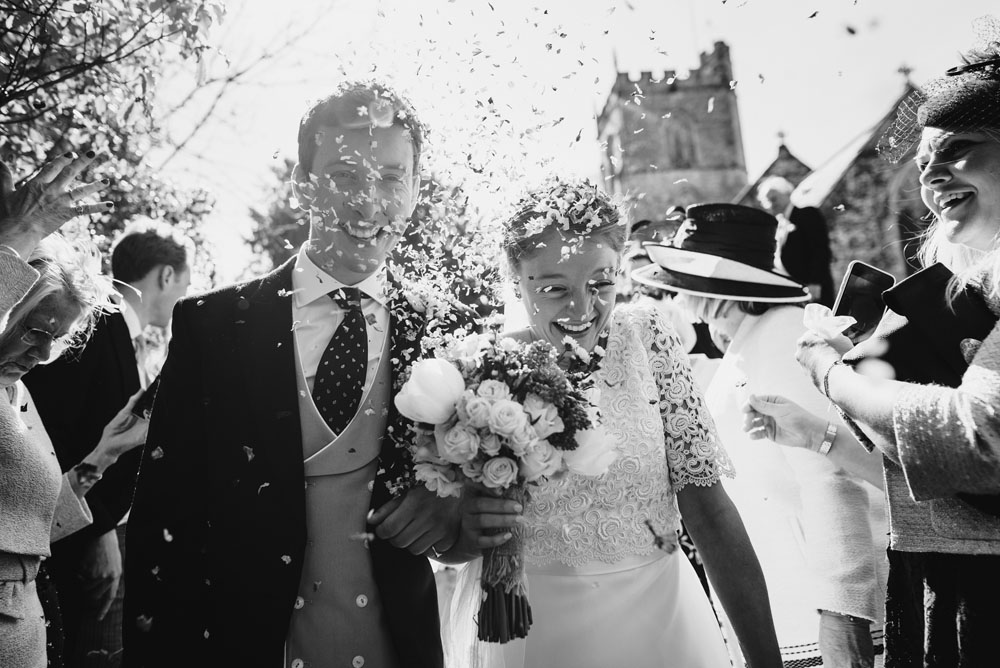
{"x": 818, "y": 530}
{"x": 803, "y": 241}
{"x": 150, "y": 264}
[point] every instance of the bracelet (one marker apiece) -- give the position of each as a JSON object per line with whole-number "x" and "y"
{"x": 826, "y": 378}
{"x": 87, "y": 474}
{"x": 828, "y": 438}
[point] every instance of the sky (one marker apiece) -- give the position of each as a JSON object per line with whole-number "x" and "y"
{"x": 510, "y": 88}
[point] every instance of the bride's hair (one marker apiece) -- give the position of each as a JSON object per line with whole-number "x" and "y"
{"x": 576, "y": 211}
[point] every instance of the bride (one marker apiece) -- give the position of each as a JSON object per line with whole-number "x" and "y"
{"x": 606, "y": 585}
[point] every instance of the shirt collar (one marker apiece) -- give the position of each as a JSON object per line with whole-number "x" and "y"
{"x": 131, "y": 320}
{"x": 309, "y": 282}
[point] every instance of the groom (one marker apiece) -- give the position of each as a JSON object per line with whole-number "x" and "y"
{"x": 274, "y": 435}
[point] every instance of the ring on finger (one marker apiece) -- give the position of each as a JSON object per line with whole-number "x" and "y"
{"x": 79, "y": 210}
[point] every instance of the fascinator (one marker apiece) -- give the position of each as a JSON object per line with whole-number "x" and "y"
{"x": 965, "y": 99}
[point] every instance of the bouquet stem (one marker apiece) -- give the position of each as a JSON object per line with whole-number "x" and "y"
{"x": 505, "y": 613}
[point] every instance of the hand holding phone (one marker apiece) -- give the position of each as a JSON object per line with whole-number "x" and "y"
{"x": 860, "y": 297}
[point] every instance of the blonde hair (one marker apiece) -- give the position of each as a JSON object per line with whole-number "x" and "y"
{"x": 69, "y": 268}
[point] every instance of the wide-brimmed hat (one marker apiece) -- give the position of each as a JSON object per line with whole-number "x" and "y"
{"x": 725, "y": 251}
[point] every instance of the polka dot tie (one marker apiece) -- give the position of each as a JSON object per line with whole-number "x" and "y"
{"x": 340, "y": 377}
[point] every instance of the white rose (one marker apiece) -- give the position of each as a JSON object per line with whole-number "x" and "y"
{"x": 499, "y": 472}
{"x": 593, "y": 454}
{"x": 438, "y": 479}
{"x": 493, "y": 391}
{"x": 540, "y": 461}
{"x": 430, "y": 394}
{"x": 522, "y": 439}
{"x": 506, "y": 417}
{"x": 469, "y": 346}
{"x": 508, "y": 345}
{"x": 473, "y": 410}
{"x": 490, "y": 444}
{"x": 473, "y": 470}
{"x": 543, "y": 416}
{"x": 456, "y": 444}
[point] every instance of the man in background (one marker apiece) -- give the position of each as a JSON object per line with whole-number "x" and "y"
{"x": 803, "y": 241}
{"x": 76, "y": 396}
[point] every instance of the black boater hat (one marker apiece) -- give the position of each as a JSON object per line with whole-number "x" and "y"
{"x": 725, "y": 251}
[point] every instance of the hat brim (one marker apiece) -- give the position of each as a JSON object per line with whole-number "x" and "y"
{"x": 707, "y": 265}
{"x": 703, "y": 286}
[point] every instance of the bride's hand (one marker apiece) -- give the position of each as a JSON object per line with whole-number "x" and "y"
{"x": 487, "y": 519}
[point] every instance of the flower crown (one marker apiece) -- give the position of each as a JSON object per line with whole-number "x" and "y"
{"x": 577, "y": 208}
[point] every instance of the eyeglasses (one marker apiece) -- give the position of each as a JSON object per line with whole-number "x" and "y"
{"x": 40, "y": 338}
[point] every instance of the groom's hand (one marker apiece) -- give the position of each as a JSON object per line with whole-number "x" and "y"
{"x": 419, "y": 521}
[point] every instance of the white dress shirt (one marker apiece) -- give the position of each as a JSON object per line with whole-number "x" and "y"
{"x": 315, "y": 316}
{"x": 138, "y": 343}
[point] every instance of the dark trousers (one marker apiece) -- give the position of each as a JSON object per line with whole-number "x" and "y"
{"x": 941, "y": 610}
{"x": 88, "y": 641}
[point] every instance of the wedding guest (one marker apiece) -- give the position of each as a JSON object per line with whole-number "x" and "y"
{"x": 45, "y": 303}
{"x": 602, "y": 591}
{"x": 274, "y": 436}
{"x": 803, "y": 240}
{"x": 938, "y": 435}
{"x": 818, "y": 530}
{"x": 150, "y": 265}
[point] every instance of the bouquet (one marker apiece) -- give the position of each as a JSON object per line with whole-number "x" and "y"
{"x": 502, "y": 414}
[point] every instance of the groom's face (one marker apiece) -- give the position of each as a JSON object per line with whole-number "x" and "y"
{"x": 366, "y": 190}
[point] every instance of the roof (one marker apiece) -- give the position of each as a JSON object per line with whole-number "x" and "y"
{"x": 785, "y": 165}
{"x": 816, "y": 188}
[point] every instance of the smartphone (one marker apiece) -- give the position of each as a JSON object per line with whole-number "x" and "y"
{"x": 144, "y": 406}
{"x": 860, "y": 297}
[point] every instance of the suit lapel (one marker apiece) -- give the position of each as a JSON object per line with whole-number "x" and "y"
{"x": 406, "y": 331}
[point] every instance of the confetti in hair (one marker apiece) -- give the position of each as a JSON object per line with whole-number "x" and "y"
{"x": 577, "y": 210}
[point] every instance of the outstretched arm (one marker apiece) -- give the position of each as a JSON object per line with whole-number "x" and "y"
{"x": 732, "y": 566}
{"x": 783, "y": 421}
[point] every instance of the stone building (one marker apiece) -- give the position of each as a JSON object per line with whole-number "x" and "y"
{"x": 872, "y": 207}
{"x": 671, "y": 141}
{"x": 785, "y": 165}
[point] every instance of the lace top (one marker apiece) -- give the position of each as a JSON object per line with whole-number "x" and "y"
{"x": 665, "y": 440}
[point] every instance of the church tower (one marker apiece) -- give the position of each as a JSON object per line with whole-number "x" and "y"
{"x": 670, "y": 141}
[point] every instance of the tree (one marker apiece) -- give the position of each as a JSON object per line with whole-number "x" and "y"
{"x": 81, "y": 74}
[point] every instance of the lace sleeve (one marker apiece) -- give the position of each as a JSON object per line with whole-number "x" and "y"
{"x": 694, "y": 454}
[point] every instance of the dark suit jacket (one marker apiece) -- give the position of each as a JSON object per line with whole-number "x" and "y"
{"x": 806, "y": 252}
{"x": 77, "y": 395}
{"x": 217, "y": 538}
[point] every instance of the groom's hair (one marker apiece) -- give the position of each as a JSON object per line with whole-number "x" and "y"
{"x": 349, "y": 106}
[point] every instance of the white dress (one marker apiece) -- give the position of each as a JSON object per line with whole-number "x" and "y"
{"x": 601, "y": 593}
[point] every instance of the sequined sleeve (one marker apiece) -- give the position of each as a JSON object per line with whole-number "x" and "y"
{"x": 949, "y": 438}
